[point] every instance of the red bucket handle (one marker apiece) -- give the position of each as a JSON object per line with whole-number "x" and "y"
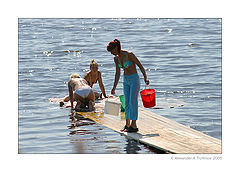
{"x": 145, "y": 88}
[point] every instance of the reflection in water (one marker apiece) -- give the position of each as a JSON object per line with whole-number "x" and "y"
{"x": 79, "y": 121}
{"x": 180, "y": 71}
{"x": 132, "y": 147}
{"x": 89, "y": 137}
{"x": 78, "y": 147}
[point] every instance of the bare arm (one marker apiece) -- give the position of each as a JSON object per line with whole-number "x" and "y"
{"x": 101, "y": 84}
{"x": 70, "y": 93}
{"x": 138, "y": 63}
{"x": 117, "y": 76}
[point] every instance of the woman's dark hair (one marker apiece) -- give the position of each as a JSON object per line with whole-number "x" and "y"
{"x": 113, "y": 44}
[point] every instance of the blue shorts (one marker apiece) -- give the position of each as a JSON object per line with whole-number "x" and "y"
{"x": 131, "y": 88}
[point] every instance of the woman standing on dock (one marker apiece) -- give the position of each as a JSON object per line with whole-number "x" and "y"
{"x": 131, "y": 82}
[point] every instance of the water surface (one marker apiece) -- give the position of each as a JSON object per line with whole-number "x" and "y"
{"x": 182, "y": 58}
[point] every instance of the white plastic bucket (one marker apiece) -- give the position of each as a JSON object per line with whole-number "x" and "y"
{"x": 112, "y": 107}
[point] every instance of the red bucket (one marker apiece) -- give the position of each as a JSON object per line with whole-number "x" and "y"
{"x": 148, "y": 98}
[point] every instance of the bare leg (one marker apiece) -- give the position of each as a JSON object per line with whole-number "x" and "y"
{"x": 128, "y": 122}
{"x": 126, "y": 126}
{"x": 97, "y": 95}
{"x": 78, "y": 105}
{"x": 134, "y": 124}
{"x": 91, "y": 105}
{"x": 91, "y": 98}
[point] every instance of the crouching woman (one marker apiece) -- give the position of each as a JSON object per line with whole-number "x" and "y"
{"x": 81, "y": 92}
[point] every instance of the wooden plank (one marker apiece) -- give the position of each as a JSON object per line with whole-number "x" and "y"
{"x": 158, "y": 131}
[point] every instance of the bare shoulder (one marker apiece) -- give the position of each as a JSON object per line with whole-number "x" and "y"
{"x": 86, "y": 74}
{"x": 72, "y": 82}
{"x": 131, "y": 55}
{"x": 69, "y": 81}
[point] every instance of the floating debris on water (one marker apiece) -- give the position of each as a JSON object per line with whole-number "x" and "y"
{"x": 192, "y": 44}
{"x": 73, "y": 51}
{"x": 169, "y": 30}
{"x": 48, "y": 53}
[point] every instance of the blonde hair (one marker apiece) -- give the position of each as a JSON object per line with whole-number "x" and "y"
{"x": 93, "y": 62}
{"x": 75, "y": 75}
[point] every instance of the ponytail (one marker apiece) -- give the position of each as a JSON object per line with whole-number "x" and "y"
{"x": 117, "y": 42}
{"x": 113, "y": 44}
{"x": 93, "y": 62}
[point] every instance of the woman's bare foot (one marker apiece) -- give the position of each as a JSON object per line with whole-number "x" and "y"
{"x": 124, "y": 129}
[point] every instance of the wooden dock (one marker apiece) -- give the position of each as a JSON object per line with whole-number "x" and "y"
{"x": 158, "y": 132}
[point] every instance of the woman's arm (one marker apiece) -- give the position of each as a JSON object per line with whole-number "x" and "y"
{"x": 117, "y": 76}
{"x": 70, "y": 93}
{"x": 101, "y": 84}
{"x": 138, "y": 63}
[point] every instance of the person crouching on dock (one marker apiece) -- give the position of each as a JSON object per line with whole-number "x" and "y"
{"x": 81, "y": 92}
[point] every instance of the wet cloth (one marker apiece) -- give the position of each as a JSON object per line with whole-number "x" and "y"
{"x": 131, "y": 88}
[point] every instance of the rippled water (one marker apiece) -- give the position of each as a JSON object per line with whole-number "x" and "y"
{"x": 182, "y": 58}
